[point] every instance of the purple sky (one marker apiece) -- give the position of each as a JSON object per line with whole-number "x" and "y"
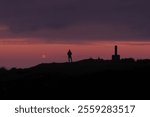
{"x": 35, "y": 31}
{"x": 75, "y": 20}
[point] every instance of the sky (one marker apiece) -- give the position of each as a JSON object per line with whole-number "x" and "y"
{"x": 35, "y": 31}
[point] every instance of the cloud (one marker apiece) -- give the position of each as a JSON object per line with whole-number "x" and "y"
{"x": 75, "y": 20}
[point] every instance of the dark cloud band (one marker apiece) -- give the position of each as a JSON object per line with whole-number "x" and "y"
{"x": 75, "y": 19}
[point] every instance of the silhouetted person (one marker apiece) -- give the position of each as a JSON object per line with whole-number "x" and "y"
{"x": 69, "y": 56}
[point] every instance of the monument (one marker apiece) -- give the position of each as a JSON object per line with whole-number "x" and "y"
{"x": 116, "y": 56}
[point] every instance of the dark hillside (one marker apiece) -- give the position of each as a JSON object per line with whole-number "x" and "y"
{"x": 86, "y": 79}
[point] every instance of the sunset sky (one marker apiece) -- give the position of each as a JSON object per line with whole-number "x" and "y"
{"x": 39, "y": 31}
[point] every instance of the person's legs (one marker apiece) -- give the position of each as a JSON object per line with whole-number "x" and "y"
{"x": 71, "y": 59}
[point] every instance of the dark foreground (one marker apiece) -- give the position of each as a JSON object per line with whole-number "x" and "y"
{"x": 87, "y": 79}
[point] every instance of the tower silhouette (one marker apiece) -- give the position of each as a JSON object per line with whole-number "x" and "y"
{"x": 115, "y": 57}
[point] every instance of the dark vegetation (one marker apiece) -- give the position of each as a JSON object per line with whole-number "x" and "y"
{"x": 85, "y": 79}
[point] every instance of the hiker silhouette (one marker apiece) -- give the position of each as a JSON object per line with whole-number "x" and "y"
{"x": 69, "y": 56}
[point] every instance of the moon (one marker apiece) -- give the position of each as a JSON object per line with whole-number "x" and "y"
{"x": 43, "y": 56}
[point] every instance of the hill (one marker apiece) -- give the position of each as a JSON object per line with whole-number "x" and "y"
{"x": 85, "y": 79}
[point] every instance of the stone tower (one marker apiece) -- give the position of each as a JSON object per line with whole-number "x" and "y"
{"x": 115, "y": 57}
